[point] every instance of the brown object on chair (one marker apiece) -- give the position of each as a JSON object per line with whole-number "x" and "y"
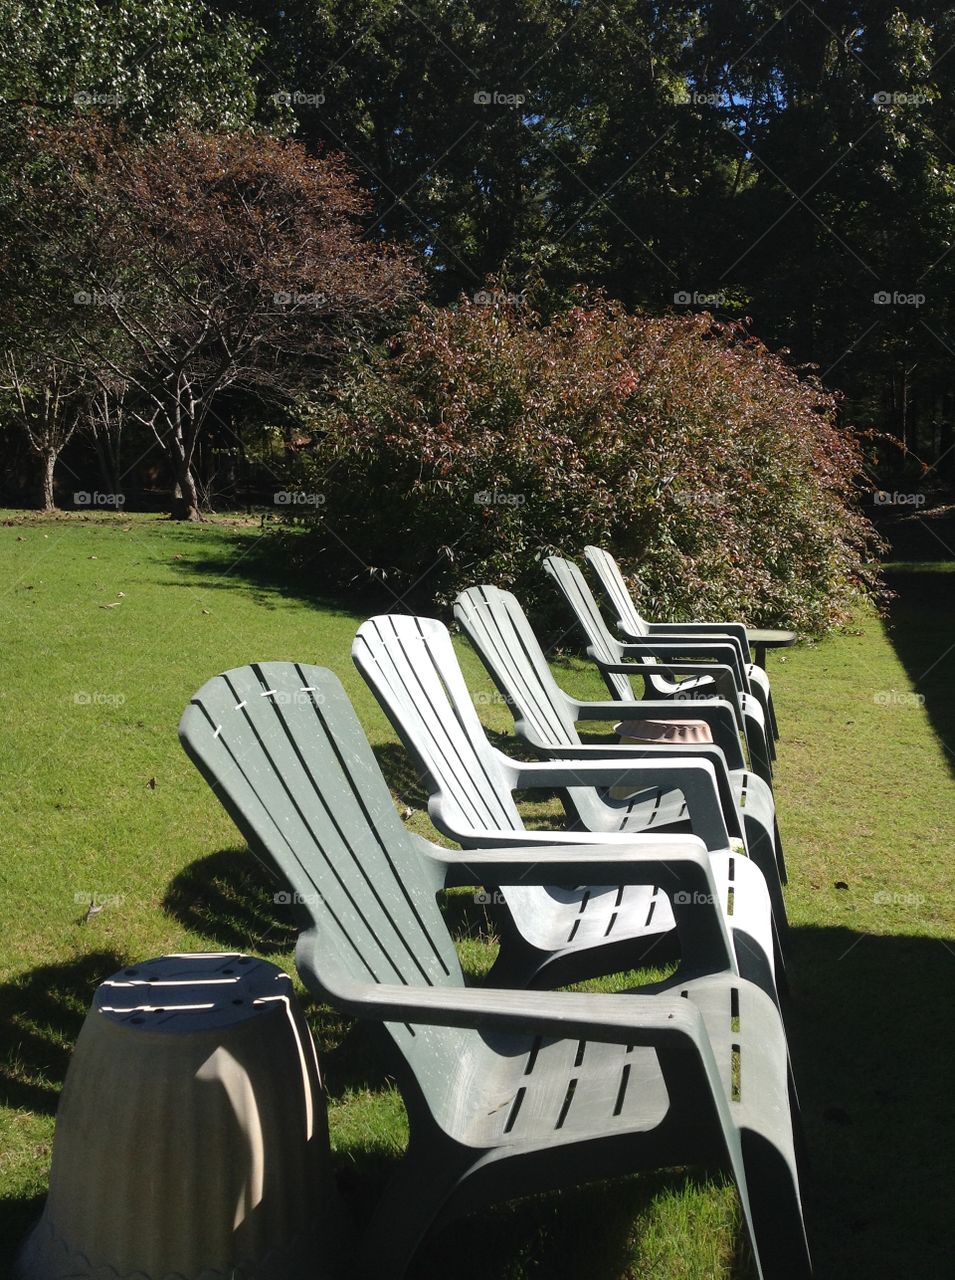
{"x": 665, "y": 731}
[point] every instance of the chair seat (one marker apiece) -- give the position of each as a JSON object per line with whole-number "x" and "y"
{"x": 654, "y": 808}
{"x": 556, "y": 919}
{"x": 516, "y": 1092}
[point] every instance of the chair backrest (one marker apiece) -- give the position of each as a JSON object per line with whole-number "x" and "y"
{"x": 603, "y": 646}
{"x": 413, "y": 671}
{"x": 281, "y": 746}
{"x": 618, "y": 593}
{"x": 498, "y": 628}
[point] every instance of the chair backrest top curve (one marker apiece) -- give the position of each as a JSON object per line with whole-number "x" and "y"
{"x": 412, "y": 668}
{"x": 282, "y": 748}
{"x": 499, "y": 629}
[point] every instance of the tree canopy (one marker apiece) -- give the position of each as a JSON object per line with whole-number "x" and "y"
{"x": 791, "y": 163}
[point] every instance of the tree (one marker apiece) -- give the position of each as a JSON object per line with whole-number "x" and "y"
{"x": 788, "y": 162}
{"x": 147, "y": 65}
{"x": 47, "y": 399}
{"x": 205, "y": 262}
{"x": 150, "y": 64}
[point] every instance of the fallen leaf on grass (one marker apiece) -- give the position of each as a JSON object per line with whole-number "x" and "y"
{"x": 114, "y": 605}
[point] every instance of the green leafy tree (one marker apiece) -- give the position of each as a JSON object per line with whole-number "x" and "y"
{"x": 150, "y": 64}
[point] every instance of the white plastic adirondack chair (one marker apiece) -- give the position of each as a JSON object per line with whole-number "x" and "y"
{"x": 508, "y": 1092}
{"x": 635, "y": 627}
{"x": 411, "y": 667}
{"x": 546, "y": 717}
{"x": 618, "y": 663}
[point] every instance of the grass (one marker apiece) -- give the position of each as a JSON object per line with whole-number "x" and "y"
{"x": 111, "y": 623}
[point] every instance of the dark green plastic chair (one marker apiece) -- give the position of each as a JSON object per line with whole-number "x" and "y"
{"x": 659, "y": 662}
{"x": 508, "y": 1092}
{"x": 413, "y": 670}
{"x": 634, "y": 627}
{"x": 546, "y": 717}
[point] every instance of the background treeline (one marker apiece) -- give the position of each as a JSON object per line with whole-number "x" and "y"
{"x": 794, "y": 161}
{"x": 219, "y": 218}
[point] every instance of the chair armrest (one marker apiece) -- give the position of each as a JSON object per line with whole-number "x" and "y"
{"x": 717, "y": 713}
{"x": 662, "y": 752}
{"x": 734, "y": 629}
{"x": 648, "y": 1020}
{"x": 723, "y": 678}
{"x": 695, "y": 778}
{"x": 682, "y": 870}
{"x": 683, "y": 648}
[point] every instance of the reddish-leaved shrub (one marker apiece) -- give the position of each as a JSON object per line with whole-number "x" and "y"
{"x": 485, "y": 437}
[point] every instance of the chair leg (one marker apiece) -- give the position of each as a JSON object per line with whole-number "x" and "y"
{"x": 765, "y": 700}
{"x": 780, "y": 859}
{"x": 760, "y": 757}
{"x": 773, "y": 722}
{"x": 763, "y": 853}
{"x": 778, "y": 1227}
{"x": 409, "y": 1205}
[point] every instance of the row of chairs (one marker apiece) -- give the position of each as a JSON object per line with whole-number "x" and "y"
{"x": 668, "y": 851}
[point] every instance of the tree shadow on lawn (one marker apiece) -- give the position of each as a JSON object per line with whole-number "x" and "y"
{"x": 922, "y": 632}
{"x": 872, "y": 1041}
{"x": 275, "y": 564}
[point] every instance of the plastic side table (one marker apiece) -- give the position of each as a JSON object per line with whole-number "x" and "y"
{"x": 191, "y": 1138}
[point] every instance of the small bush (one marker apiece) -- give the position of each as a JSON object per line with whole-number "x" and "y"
{"x": 484, "y": 438}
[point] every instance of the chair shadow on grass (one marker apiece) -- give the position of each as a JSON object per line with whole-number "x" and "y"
{"x": 872, "y": 1043}
{"x": 41, "y": 1013}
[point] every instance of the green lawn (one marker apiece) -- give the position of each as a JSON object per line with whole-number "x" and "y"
{"x": 111, "y": 623}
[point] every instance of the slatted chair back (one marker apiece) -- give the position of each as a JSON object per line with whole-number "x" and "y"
{"x": 498, "y": 628}
{"x": 621, "y": 601}
{"x": 412, "y": 669}
{"x": 602, "y": 646}
{"x": 281, "y": 746}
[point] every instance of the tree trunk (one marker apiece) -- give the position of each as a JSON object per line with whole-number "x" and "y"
{"x": 185, "y": 498}
{"x": 48, "y": 464}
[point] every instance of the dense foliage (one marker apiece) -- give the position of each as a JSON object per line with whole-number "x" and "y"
{"x": 487, "y": 437}
{"x": 793, "y": 162}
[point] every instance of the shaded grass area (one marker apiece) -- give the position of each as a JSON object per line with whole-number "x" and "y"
{"x": 101, "y": 800}
{"x": 922, "y": 631}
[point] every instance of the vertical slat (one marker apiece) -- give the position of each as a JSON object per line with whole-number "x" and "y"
{"x": 499, "y": 630}
{"x": 284, "y": 752}
{"x": 411, "y": 666}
